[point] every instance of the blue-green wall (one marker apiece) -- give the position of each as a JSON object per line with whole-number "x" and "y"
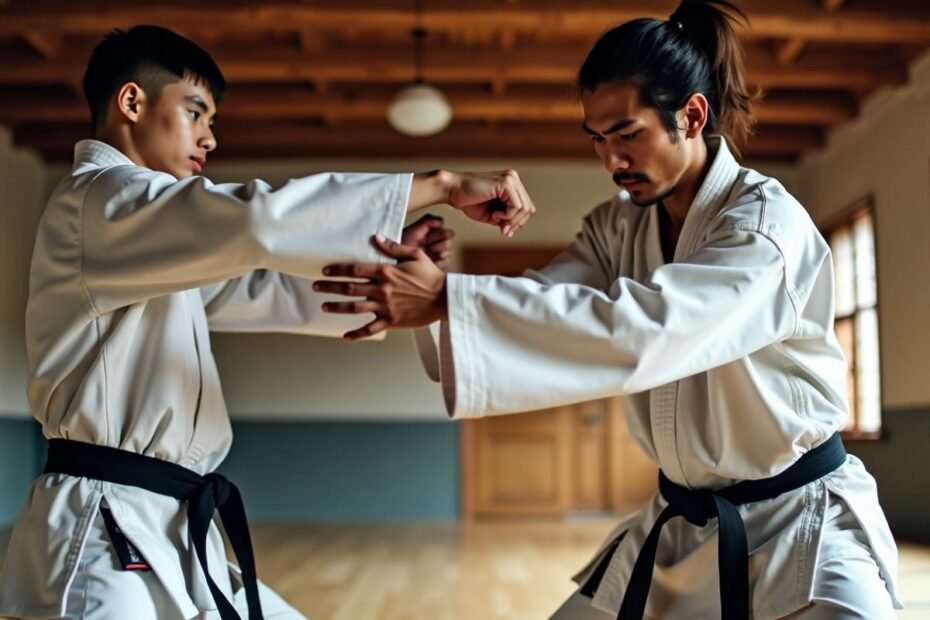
{"x": 346, "y": 470}
{"x": 899, "y": 463}
{"x": 21, "y": 452}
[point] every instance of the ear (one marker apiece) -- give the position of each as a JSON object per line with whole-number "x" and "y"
{"x": 693, "y": 116}
{"x": 130, "y": 100}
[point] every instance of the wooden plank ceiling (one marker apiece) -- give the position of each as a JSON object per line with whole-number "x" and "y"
{"x": 313, "y": 78}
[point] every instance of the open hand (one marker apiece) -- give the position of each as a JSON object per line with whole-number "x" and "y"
{"x": 411, "y": 293}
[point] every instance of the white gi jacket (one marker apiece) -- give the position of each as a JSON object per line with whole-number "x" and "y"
{"x": 131, "y": 270}
{"x": 727, "y": 359}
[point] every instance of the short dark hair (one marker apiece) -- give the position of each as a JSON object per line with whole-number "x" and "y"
{"x": 695, "y": 51}
{"x": 151, "y": 56}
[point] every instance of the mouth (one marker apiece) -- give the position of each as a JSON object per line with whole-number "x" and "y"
{"x": 629, "y": 181}
{"x": 199, "y": 163}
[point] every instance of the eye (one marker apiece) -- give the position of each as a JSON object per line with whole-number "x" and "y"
{"x": 194, "y": 115}
{"x": 630, "y": 136}
{"x": 597, "y": 138}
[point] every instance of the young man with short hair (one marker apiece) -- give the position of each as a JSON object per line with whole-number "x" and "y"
{"x": 137, "y": 258}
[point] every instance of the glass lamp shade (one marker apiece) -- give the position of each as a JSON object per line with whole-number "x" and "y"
{"x": 419, "y": 110}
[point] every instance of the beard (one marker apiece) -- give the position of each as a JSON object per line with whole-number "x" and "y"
{"x": 641, "y": 200}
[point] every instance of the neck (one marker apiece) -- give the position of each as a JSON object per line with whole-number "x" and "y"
{"x": 679, "y": 202}
{"x": 120, "y": 139}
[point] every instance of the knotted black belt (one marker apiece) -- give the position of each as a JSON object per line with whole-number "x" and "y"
{"x": 203, "y": 494}
{"x": 698, "y": 506}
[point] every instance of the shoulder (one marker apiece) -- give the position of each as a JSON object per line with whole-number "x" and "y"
{"x": 761, "y": 204}
{"x": 121, "y": 189}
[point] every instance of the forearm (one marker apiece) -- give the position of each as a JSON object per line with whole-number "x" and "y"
{"x": 269, "y": 301}
{"x": 428, "y": 189}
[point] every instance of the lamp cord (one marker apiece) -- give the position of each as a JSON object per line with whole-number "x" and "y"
{"x": 419, "y": 42}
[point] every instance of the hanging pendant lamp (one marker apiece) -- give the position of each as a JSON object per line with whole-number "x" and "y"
{"x": 420, "y": 109}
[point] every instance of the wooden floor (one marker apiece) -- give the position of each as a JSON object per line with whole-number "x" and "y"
{"x": 446, "y": 571}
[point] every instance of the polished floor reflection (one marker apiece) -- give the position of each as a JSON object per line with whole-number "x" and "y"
{"x": 510, "y": 570}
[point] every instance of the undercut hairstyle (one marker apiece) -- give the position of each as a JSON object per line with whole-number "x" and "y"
{"x": 695, "y": 51}
{"x": 150, "y": 56}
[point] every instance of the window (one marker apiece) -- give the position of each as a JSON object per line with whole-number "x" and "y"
{"x": 852, "y": 241}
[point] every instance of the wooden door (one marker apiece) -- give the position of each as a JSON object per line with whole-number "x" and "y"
{"x": 550, "y": 462}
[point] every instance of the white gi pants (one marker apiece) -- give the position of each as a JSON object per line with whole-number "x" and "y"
{"x": 102, "y": 590}
{"x": 847, "y": 584}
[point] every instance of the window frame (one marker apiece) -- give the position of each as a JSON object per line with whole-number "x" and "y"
{"x": 846, "y": 218}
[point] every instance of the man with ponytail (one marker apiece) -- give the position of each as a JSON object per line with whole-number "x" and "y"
{"x": 703, "y": 294}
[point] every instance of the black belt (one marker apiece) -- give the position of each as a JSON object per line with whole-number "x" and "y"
{"x": 203, "y": 494}
{"x": 698, "y": 506}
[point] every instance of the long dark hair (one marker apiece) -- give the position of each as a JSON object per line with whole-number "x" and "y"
{"x": 695, "y": 51}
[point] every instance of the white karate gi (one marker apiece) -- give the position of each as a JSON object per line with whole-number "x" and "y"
{"x": 131, "y": 270}
{"x": 729, "y": 365}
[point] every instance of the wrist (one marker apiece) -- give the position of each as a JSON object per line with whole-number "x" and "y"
{"x": 445, "y": 180}
{"x": 430, "y": 188}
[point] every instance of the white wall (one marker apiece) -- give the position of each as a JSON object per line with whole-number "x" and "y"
{"x": 886, "y": 154}
{"x": 22, "y": 192}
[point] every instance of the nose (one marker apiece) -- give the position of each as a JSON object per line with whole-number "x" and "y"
{"x": 615, "y": 160}
{"x": 207, "y": 141}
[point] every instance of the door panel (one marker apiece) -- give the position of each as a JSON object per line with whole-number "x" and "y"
{"x": 550, "y": 462}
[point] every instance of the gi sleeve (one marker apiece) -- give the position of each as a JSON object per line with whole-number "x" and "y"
{"x": 515, "y": 344}
{"x": 585, "y": 261}
{"x": 263, "y": 300}
{"x": 144, "y": 234}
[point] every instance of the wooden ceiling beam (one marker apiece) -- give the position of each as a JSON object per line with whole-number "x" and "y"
{"x": 809, "y": 110}
{"x": 309, "y": 40}
{"x": 579, "y": 21}
{"x": 45, "y": 45}
{"x": 832, "y": 5}
{"x": 786, "y": 52}
{"x": 544, "y": 66}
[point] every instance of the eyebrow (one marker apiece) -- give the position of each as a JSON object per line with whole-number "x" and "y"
{"x": 613, "y": 128}
{"x": 197, "y": 101}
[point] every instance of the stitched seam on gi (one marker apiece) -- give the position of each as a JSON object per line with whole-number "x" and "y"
{"x": 460, "y": 340}
{"x": 799, "y": 597}
{"x": 85, "y": 290}
{"x": 86, "y": 592}
{"x": 106, "y": 383}
{"x": 481, "y": 395}
{"x": 772, "y": 235}
{"x": 82, "y": 529}
{"x": 763, "y": 198}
